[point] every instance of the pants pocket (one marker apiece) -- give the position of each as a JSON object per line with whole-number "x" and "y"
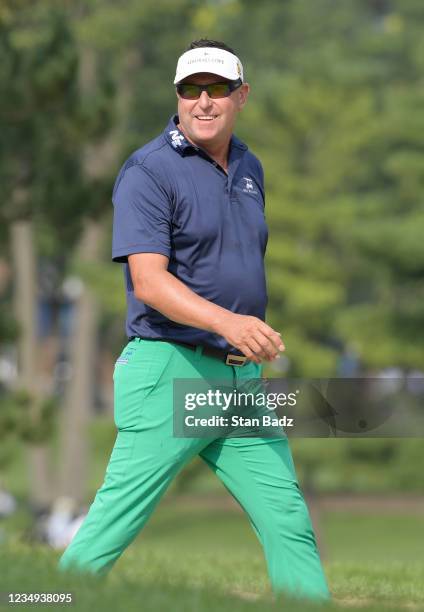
{"x": 137, "y": 373}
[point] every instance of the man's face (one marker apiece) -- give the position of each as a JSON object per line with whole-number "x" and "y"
{"x": 208, "y": 121}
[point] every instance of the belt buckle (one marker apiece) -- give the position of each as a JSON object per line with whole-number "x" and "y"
{"x": 235, "y": 360}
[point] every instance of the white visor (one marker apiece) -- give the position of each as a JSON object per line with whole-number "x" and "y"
{"x": 209, "y": 59}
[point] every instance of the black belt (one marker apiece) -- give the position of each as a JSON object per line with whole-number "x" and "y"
{"x": 227, "y": 358}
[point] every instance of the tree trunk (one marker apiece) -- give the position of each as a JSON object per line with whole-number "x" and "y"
{"x": 79, "y": 393}
{"x": 98, "y": 158}
{"x": 25, "y": 271}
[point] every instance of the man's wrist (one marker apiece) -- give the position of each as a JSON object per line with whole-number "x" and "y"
{"x": 219, "y": 320}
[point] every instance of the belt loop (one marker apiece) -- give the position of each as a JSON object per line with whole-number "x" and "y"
{"x": 198, "y": 353}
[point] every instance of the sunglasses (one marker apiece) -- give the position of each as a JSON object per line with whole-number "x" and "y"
{"x": 189, "y": 91}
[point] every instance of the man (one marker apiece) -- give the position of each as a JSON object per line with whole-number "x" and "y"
{"x": 189, "y": 228}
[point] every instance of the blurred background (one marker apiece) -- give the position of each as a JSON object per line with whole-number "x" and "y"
{"x": 335, "y": 115}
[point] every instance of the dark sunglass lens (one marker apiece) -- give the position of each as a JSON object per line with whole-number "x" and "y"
{"x": 218, "y": 90}
{"x": 189, "y": 92}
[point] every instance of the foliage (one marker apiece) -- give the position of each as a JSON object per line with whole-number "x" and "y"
{"x": 17, "y": 421}
{"x": 334, "y": 115}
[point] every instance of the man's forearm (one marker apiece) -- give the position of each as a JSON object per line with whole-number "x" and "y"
{"x": 171, "y": 297}
{"x": 161, "y": 290}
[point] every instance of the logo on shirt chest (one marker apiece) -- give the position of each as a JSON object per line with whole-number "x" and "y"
{"x": 249, "y": 185}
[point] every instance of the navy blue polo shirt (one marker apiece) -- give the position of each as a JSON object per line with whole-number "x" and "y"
{"x": 171, "y": 198}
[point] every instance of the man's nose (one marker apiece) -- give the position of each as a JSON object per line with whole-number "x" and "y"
{"x": 204, "y": 100}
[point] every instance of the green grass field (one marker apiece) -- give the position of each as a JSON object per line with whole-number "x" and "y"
{"x": 194, "y": 560}
{"x": 201, "y": 557}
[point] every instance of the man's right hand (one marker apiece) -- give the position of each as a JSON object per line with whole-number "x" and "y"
{"x": 254, "y": 338}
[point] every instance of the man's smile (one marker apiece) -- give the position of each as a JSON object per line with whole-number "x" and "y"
{"x": 206, "y": 117}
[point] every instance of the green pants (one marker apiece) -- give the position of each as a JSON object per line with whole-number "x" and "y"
{"x": 258, "y": 472}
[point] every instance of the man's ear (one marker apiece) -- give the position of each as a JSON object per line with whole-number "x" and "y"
{"x": 243, "y": 92}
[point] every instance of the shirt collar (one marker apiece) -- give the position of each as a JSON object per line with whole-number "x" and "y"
{"x": 175, "y": 137}
{"x": 181, "y": 145}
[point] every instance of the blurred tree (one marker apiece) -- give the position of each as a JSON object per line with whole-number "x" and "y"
{"x": 45, "y": 192}
{"x": 80, "y": 390}
{"x": 334, "y": 115}
{"x": 335, "y": 95}
{"x": 32, "y": 86}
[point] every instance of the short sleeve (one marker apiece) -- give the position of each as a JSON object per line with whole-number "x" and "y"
{"x": 142, "y": 214}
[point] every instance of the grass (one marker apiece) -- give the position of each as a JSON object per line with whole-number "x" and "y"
{"x": 199, "y": 559}
{"x": 193, "y": 560}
